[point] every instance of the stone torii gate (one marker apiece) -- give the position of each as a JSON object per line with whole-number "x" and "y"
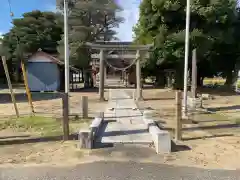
{"x": 103, "y": 48}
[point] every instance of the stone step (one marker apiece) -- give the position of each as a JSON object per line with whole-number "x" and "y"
{"x": 129, "y": 126}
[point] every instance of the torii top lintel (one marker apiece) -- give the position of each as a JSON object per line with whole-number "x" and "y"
{"x": 127, "y": 45}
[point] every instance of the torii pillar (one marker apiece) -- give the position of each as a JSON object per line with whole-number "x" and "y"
{"x": 138, "y": 77}
{"x": 102, "y": 74}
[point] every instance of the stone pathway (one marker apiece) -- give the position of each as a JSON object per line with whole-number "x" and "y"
{"x": 123, "y": 123}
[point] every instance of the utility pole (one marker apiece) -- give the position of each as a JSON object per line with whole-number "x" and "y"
{"x": 66, "y": 50}
{"x": 186, "y": 58}
{"x": 65, "y": 98}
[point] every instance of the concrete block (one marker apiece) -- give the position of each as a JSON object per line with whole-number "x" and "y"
{"x": 85, "y": 106}
{"x": 161, "y": 139}
{"x": 96, "y": 122}
{"x": 194, "y": 102}
{"x": 85, "y": 139}
{"x": 164, "y": 142}
{"x": 95, "y": 126}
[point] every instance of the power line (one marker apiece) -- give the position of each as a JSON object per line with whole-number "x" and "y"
{"x": 11, "y": 16}
{"x": 10, "y": 9}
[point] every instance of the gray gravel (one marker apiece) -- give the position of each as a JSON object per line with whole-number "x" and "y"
{"x": 116, "y": 171}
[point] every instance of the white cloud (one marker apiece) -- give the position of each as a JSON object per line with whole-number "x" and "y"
{"x": 51, "y": 7}
{"x": 131, "y": 15}
{"x": 1, "y": 35}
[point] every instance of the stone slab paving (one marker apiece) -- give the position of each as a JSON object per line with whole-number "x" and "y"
{"x": 123, "y": 123}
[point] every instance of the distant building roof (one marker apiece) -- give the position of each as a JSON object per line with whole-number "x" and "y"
{"x": 53, "y": 58}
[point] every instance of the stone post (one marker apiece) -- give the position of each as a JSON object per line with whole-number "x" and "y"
{"x": 85, "y": 139}
{"x": 126, "y": 79}
{"x": 138, "y": 77}
{"x": 65, "y": 104}
{"x": 178, "y": 128}
{"x": 101, "y": 83}
{"x": 85, "y": 107}
{"x": 194, "y": 73}
{"x": 168, "y": 79}
{"x": 105, "y": 73}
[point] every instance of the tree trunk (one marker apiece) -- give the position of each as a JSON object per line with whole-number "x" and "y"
{"x": 179, "y": 78}
{"x": 200, "y": 75}
{"x": 82, "y": 75}
{"x": 86, "y": 78}
{"x": 91, "y": 81}
{"x": 229, "y": 79}
{"x": 235, "y": 78}
{"x": 200, "y": 81}
{"x": 160, "y": 79}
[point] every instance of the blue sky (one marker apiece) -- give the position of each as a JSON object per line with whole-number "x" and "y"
{"x": 130, "y": 13}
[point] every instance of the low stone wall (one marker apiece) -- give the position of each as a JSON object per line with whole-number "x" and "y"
{"x": 161, "y": 138}
{"x": 87, "y": 137}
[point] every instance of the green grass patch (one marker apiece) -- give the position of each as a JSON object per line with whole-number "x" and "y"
{"x": 216, "y": 81}
{"x": 237, "y": 121}
{"x": 37, "y": 125}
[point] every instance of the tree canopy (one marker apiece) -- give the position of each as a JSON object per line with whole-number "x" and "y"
{"x": 33, "y": 31}
{"x": 89, "y": 21}
{"x": 213, "y": 25}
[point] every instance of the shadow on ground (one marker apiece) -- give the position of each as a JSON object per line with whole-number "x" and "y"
{"x": 208, "y": 137}
{"x": 22, "y": 97}
{"x": 129, "y": 87}
{"x": 225, "y": 108}
{"x": 129, "y": 151}
{"x": 95, "y": 89}
{"x": 179, "y": 147}
{"x": 220, "y": 126}
{"x": 98, "y": 143}
{"x": 24, "y": 140}
{"x": 119, "y": 133}
{"x": 217, "y": 91}
{"x": 10, "y": 137}
{"x": 158, "y": 99}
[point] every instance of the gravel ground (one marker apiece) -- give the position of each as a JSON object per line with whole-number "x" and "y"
{"x": 116, "y": 171}
{"x": 50, "y": 104}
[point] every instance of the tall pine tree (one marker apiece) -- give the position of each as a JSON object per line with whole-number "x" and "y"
{"x": 89, "y": 21}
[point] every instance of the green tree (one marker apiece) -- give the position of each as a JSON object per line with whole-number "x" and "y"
{"x": 163, "y": 22}
{"x": 35, "y": 30}
{"x": 89, "y": 21}
{"x": 225, "y": 52}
